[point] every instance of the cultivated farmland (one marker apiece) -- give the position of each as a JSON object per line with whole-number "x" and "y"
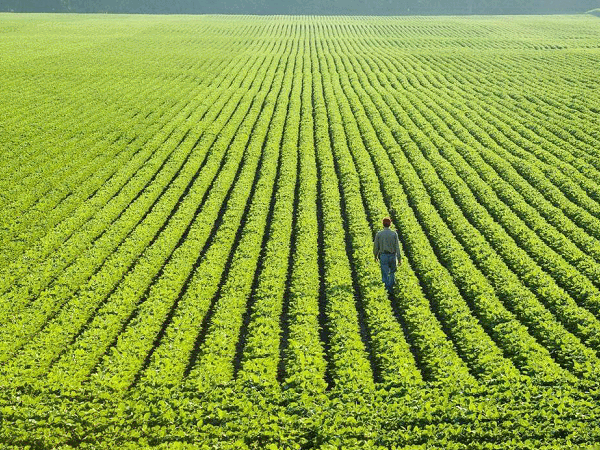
{"x": 188, "y": 206}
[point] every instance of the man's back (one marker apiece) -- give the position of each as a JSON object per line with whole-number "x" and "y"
{"x": 386, "y": 241}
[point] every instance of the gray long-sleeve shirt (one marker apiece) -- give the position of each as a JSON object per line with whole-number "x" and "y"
{"x": 386, "y": 240}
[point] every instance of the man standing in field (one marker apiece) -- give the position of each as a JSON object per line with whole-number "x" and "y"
{"x": 386, "y": 249}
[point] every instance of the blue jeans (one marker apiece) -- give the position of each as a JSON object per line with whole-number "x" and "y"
{"x": 388, "y": 269}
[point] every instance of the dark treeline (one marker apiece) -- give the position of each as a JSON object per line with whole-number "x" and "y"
{"x": 316, "y": 7}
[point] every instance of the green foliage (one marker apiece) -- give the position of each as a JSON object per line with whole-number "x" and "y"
{"x": 187, "y": 213}
{"x": 236, "y": 417}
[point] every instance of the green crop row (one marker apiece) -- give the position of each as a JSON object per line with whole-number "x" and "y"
{"x": 136, "y": 240}
{"x": 168, "y": 364}
{"x": 260, "y": 340}
{"x": 350, "y": 365}
{"x": 87, "y": 181}
{"x": 156, "y": 272}
{"x": 389, "y": 350}
{"x": 304, "y": 364}
{"x": 216, "y": 360}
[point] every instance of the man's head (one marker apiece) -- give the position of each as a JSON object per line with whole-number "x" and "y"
{"x": 387, "y": 222}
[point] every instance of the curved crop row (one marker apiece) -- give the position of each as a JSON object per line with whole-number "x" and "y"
{"x": 142, "y": 232}
{"x": 481, "y": 298}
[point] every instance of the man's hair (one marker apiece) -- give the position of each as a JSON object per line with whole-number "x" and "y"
{"x": 387, "y": 222}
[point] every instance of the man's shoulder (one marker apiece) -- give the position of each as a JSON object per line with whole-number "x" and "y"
{"x": 388, "y": 231}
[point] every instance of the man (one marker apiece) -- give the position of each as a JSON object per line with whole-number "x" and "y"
{"x": 386, "y": 249}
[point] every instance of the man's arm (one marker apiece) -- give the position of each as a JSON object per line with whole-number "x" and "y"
{"x": 398, "y": 254}
{"x": 376, "y": 246}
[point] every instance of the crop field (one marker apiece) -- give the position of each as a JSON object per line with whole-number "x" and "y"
{"x": 187, "y": 212}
